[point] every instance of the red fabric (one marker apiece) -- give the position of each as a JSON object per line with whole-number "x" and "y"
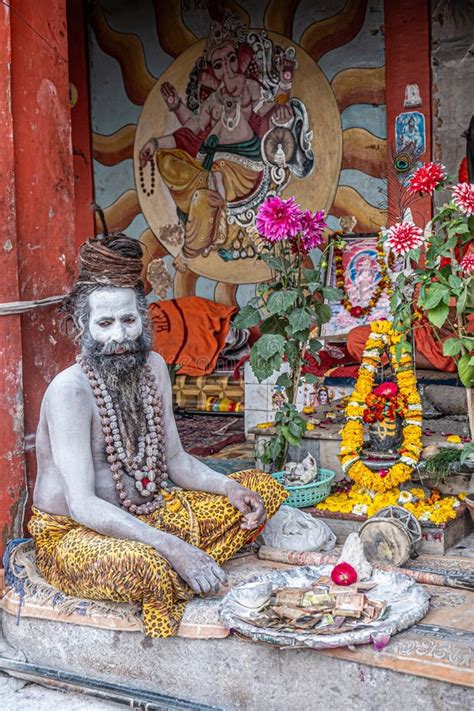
{"x": 188, "y": 141}
{"x": 190, "y": 332}
{"x": 463, "y": 175}
{"x": 425, "y": 343}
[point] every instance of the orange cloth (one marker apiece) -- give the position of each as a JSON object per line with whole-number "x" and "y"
{"x": 190, "y": 332}
{"x": 425, "y": 343}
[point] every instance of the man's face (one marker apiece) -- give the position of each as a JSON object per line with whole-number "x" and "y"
{"x": 114, "y": 318}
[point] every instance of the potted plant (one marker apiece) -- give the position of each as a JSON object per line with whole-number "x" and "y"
{"x": 287, "y": 309}
{"x": 441, "y": 287}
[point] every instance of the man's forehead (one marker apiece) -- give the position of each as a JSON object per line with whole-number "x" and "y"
{"x": 113, "y": 300}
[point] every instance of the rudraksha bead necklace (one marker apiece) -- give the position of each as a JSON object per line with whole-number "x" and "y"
{"x": 148, "y": 467}
{"x": 148, "y": 190}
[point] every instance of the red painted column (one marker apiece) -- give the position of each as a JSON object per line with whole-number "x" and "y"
{"x": 44, "y": 180}
{"x": 407, "y": 61}
{"x": 80, "y": 119}
{"x": 12, "y": 461}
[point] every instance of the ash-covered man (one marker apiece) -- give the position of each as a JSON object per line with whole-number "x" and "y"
{"x": 107, "y": 524}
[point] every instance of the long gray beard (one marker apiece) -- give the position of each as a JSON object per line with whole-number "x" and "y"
{"x": 121, "y": 375}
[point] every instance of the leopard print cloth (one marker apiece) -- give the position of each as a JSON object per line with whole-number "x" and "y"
{"x": 83, "y": 563}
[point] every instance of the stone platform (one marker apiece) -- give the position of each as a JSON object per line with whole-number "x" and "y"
{"x": 431, "y": 665}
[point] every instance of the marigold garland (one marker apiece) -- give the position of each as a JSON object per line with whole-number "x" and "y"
{"x": 362, "y": 502}
{"x": 384, "y": 284}
{"x": 382, "y": 335}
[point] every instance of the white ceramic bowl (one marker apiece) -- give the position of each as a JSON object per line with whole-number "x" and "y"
{"x": 252, "y": 595}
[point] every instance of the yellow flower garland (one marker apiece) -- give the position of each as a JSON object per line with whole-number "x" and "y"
{"x": 359, "y": 500}
{"x": 382, "y": 335}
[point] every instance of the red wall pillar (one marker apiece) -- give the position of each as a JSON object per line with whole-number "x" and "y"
{"x": 80, "y": 120}
{"x": 12, "y": 460}
{"x": 408, "y": 61}
{"x": 37, "y": 226}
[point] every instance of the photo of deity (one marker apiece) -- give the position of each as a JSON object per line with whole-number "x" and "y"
{"x": 360, "y": 269}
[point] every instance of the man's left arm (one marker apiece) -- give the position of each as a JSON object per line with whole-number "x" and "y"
{"x": 188, "y": 472}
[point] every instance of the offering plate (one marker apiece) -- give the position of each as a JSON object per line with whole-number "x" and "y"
{"x": 408, "y": 602}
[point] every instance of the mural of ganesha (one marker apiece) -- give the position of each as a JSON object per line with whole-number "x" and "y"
{"x": 240, "y": 136}
{"x": 199, "y": 113}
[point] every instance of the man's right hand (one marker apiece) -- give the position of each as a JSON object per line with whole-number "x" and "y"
{"x": 196, "y": 568}
{"x": 148, "y": 151}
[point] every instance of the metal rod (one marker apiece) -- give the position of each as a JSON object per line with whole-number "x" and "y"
{"x": 101, "y": 689}
{"x": 19, "y": 307}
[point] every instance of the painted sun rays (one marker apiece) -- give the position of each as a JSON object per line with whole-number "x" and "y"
{"x": 362, "y": 150}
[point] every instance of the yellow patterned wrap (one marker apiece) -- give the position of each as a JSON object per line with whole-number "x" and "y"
{"x": 83, "y": 563}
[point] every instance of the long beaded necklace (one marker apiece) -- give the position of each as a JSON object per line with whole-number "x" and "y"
{"x": 147, "y": 190}
{"x": 148, "y": 467}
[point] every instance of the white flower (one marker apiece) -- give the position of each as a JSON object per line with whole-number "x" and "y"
{"x": 425, "y": 516}
{"x": 405, "y": 497}
{"x": 360, "y": 509}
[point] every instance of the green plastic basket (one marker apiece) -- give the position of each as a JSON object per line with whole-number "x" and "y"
{"x": 308, "y": 494}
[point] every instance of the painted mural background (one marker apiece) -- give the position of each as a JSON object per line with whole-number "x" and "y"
{"x": 327, "y": 63}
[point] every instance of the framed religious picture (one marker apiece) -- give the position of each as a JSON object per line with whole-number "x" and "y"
{"x": 361, "y": 270}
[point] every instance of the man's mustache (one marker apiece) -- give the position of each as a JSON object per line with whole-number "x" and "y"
{"x": 122, "y": 348}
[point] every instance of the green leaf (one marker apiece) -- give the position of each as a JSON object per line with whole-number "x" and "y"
{"x": 310, "y": 275}
{"x": 297, "y": 428}
{"x": 468, "y": 449}
{"x": 280, "y": 301}
{"x": 285, "y": 430}
{"x": 438, "y": 315}
{"x": 310, "y": 378}
{"x": 331, "y": 293}
{"x": 292, "y": 353}
{"x": 466, "y": 371}
{"x": 452, "y": 346}
{"x": 273, "y": 324}
{"x": 434, "y": 295}
{"x": 278, "y": 264}
{"x": 299, "y": 320}
{"x": 270, "y": 345}
{"x": 323, "y": 312}
{"x": 247, "y": 316}
{"x": 284, "y": 380}
{"x": 314, "y": 346}
{"x": 454, "y": 281}
{"x": 461, "y": 302}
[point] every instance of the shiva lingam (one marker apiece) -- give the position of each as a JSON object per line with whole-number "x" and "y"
{"x": 382, "y": 414}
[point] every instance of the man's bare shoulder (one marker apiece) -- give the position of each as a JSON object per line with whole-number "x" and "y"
{"x": 70, "y": 384}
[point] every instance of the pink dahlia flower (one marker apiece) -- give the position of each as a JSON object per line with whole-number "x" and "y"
{"x": 427, "y": 178}
{"x": 467, "y": 263}
{"x": 463, "y": 196}
{"x": 403, "y": 237}
{"x": 279, "y": 219}
{"x": 312, "y": 228}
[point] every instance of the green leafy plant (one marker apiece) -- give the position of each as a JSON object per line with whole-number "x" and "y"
{"x": 441, "y": 287}
{"x": 288, "y": 309}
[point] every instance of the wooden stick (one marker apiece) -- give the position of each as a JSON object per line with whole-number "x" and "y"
{"x": 457, "y": 579}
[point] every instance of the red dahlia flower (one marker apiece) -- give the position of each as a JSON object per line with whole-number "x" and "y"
{"x": 403, "y": 237}
{"x": 467, "y": 263}
{"x": 279, "y": 219}
{"x": 427, "y": 178}
{"x": 463, "y": 197}
{"x": 343, "y": 574}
